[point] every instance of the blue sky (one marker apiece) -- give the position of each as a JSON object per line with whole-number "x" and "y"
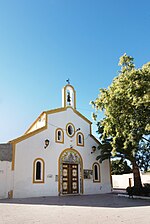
{"x": 43, "y": 42}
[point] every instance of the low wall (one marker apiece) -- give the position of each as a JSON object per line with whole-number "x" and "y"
{"x": 6, "y": 152}
{"x": 5, "y": 179}
{"x": 123, "y": 181}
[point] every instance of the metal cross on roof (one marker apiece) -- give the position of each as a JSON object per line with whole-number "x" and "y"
{"x": 68, "y": 80}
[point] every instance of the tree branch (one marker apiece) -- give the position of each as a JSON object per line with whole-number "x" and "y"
{"x": 146, "y": 139}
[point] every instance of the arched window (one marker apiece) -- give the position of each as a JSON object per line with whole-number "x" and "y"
{"x": 59, "y": 135}
{"x": 38, "y": 170}
{"x": 96, "y": 172}
{"x": 80, "y": 139}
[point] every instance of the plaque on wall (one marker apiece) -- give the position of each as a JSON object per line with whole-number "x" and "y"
{"x": 88, "y": 174}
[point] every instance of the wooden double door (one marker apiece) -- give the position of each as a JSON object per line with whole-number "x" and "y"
{"x": 70, "y": 179}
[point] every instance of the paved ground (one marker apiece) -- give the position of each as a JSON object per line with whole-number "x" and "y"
{"x": 92, "y": 209}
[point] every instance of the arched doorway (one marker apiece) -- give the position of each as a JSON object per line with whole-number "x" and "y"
{"x": 70, "y": 172}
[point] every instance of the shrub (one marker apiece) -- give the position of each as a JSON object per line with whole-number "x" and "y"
{"x": 143, "y": 191}
{"x": 147, "y": 189}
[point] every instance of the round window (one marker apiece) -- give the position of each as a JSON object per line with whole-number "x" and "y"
{"x": 70, "y": 129}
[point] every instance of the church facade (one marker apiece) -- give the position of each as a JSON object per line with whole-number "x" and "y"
{"x": 57, "y": 155}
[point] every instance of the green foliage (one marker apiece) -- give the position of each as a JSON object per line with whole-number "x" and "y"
{"x": 105, "y": 146}
{"x": 143, "y": 155}
{"x": 120, "y": 167}
{"x": 126, "y": 105}
{"x": 126, "y": 63}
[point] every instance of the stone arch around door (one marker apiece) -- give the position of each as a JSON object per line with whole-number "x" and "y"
{"x": 70, "y": 168}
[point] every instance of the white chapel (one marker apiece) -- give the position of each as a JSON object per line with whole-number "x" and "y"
{"x": 56, "y": 156}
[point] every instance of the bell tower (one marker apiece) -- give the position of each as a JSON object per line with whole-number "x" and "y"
{"x": 68, "y": 96}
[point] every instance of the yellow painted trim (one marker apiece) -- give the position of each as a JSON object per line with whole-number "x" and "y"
{"x": 80, "y": 174}
{"x": 64, "y": 109}
{"x": 30, "y": 134}
{"x": 77, "y": 143}
{"x": 13, "y": 156}
{"x": 95, "y": 139}
{"x": 67, "y": 129}
{"x": 23, "y": 137}
{"x": 80, "y": 115}
{"x": 59, "y": 174}
{"x": 90, "y": 129}
{"x": 35, "y": 122}
{"x": 55, "y": 110}
{"x": 64, "y": 89}
{"x": 56, "y": 134}
{"x": 34, "y": 181}
{"x": 99, "y": 180}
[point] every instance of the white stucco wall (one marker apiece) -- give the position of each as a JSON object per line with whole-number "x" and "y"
{"x": 145, "y": 178}
{"x": 104, "y": 186}
{"x": 122, "y": 181}
{"x": 6, "y": 179}
{"x": 30, "y": 149}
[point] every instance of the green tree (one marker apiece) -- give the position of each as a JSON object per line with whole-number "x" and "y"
{"x": 126, "y": 105}
{"x": 120, "y": 166}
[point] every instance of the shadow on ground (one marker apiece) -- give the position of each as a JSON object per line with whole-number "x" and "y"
{"x": 102, "y": 200}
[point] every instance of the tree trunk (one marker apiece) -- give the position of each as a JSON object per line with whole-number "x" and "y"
{"x": 136, "y": 175}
